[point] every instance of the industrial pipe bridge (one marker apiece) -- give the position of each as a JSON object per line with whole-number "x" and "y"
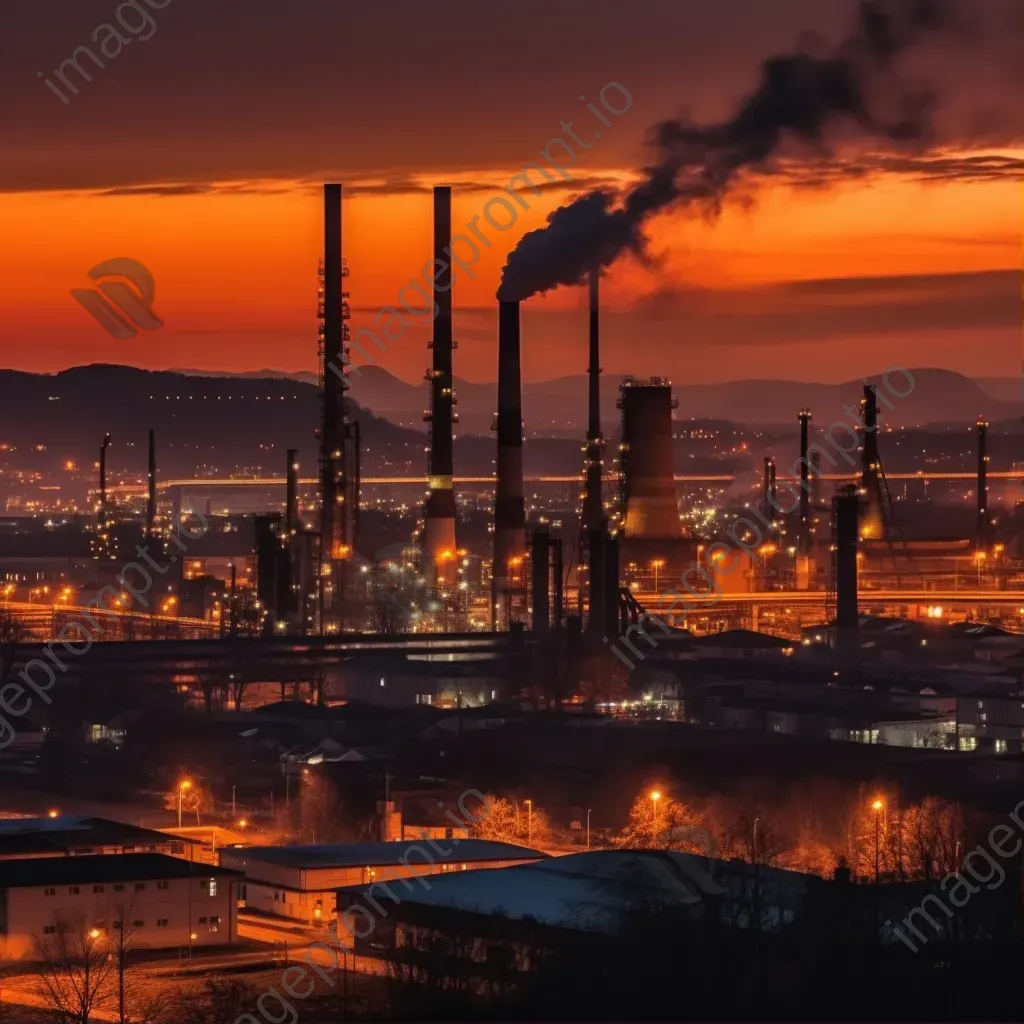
{"x": 421, "y": 481}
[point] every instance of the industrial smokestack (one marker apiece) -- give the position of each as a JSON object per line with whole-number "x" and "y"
{"x": 872, "y": 525}
{"x": 593, "y": 522}
{"x": 103, "y": 484}
{"x": 287, "y": 577}
{"x": 984, "y": 526}
{"x": 800, "y": 97}
{"x": 593, "y": 507}
{"x": 151, "y": 489}
{"x": 815, "y": 482}
{"x": 291, "y": 495}
{"x": 845, "y": 516}
{"x": 805, "y": 490}
{"x": 509, "y": 503}
{"x": 768, "y": 489}
{"x": 338, "y": 499}
{"x": 540, "y": 580}
{"x": 440, "y": 511}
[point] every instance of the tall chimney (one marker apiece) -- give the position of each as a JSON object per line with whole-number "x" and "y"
{"x": 983, "y": 530}
{"x": 593, "y": 508}
{"x": 103, "y": 484}
{"x": 805, "y": 484}
{"x": 540, "y": 579}
{"x": 439, "y": 512}
{"x": 336, "y": 513}
{"x": 872, "y": 524}
{"x": 151, "y": 489}
{"x": 768, "y": 489}
{"x": 509, "y": 504}
{"x": 815, "y": 482}
{"x": 593, "y": 522}
{"x": 845, "y": 517}
{"x": 291, "y": 498}
{"x": 288, "y": 577}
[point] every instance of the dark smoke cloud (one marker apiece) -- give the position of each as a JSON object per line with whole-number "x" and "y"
{"x": 800, "y": 96}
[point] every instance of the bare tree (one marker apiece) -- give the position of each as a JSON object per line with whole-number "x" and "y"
{"x": 75, "y": 968}
{"x": 122, "y": 936}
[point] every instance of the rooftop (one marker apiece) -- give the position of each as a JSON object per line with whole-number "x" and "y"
{"x": 583, "y": 890}
{"x": 344, "y": 855}
{"x": 68, "y": 832}
{"x": 741, "y": 639}
{"x": 118, "y": 867}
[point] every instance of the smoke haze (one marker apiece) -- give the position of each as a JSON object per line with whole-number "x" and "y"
{"x": 801, "y": 95}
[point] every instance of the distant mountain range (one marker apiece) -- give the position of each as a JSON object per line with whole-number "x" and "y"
{"x": 211, "y": 425}
{"x": 558, "y": 407}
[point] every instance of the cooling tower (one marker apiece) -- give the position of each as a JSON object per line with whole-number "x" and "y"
{"x": 647, "y": 485}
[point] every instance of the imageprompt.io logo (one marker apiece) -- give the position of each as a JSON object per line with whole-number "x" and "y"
{"x": 124, "y": 305}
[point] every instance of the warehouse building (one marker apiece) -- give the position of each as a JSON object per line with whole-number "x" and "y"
{"x": 76, "y": 835}
{"x": 167, "y": 902}
{"x": 299, "y": 882}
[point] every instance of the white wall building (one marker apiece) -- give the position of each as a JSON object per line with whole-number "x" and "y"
{"x": 299, "y": 882}
{"x": 166, "y": 901}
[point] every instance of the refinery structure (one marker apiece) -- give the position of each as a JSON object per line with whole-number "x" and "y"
{"x": 812, "y": 545}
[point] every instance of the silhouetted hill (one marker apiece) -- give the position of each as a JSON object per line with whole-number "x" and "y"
{"x": 559, "y": 406}
{"x": 202, "y": 423}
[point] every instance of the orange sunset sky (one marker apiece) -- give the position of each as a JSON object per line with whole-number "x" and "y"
{"x": 200, "y": 152}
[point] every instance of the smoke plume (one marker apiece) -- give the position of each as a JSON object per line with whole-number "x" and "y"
{"x": 800, "y": 96}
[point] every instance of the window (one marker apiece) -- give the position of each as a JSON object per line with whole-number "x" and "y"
{"x": 277, "y": 896}
{"x": 162, "y": 922}
{"x": 214, "y": 924}
{"x": 139, "y": 886}
{"x": 118, "y": 888}
{"x": 983, "y": 716}
{"x": 1000, "y": 746}
{"x": 49, "y": 892}
{"x": 49, "y": 929}
{"x": 202, "y": 920}
{"x": 138, "y": 924}
{"x": 161, "y": 885}
{"x": 118, "y": 925}
{"x": 99, "y": 888}
{"x": 211, "y": 887}
{"x": 72, "y": 890}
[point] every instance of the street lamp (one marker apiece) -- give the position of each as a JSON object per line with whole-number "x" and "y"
{"x": 656, "y": 565}
{"x": 877, "y": 808}
{"x": 529, "y": 820}
{"x": 655, "y": 797}
{"x": 182, "y": 786}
